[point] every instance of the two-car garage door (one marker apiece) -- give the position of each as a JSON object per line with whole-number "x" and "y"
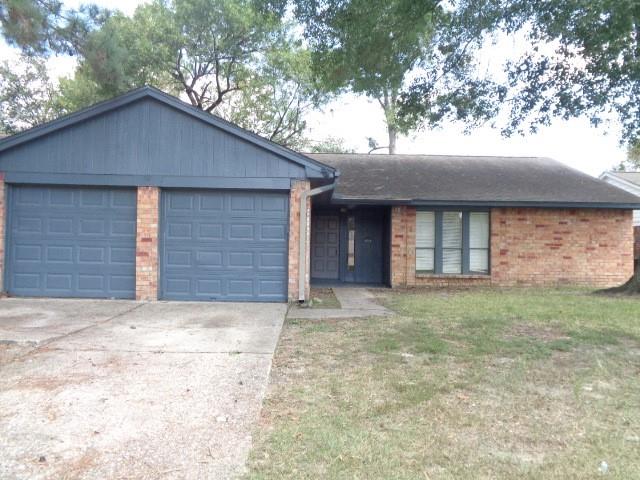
{"x": 81, "y": 242}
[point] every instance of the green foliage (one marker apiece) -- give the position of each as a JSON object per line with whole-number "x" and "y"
{"x": 44, "y": 26}
{"x": 26, "y": 94}
{"x": 277, "y": 96}
{"x": 236, "y": 58}
{"x": 632, "y": 163}
{"x": 329, "y": 145}
{"x": 377, "y": 47}
{"x": 584, "y": 60}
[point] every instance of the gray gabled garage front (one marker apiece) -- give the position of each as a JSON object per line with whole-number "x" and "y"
{"x": 146, "y": 197}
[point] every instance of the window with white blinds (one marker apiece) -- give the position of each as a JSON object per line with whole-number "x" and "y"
{"x": 425, "y": 241}
{"x": 452, "y": 242}
{"x": 479, "y": 242}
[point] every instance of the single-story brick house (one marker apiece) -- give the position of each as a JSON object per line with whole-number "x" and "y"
{"x": 145, "y": 197}
{"x": 630, "y": 182}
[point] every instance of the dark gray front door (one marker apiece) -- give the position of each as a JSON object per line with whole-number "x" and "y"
{"x": 325, "y": 247}
{"x": 71, "y": 242}
{"x": 368, "y": 247}
{"x": 223, "y": 245}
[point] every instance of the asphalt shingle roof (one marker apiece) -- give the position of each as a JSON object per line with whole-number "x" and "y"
{"x": 438, "y": 179}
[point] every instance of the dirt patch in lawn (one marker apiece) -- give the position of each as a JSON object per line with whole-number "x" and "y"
{"x": 323, "y": 297}
{"x": 542, "y": 333}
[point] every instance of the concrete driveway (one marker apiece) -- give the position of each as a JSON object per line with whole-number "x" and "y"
{"x": 119, "y": 389}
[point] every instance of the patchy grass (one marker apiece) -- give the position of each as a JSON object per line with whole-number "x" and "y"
{"x": 477, "y": 384}
{"x": 323, "y": 298}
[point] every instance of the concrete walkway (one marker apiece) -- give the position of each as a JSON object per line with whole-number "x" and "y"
{"x": 355, "y": 302}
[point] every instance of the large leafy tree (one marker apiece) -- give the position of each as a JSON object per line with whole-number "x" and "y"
{"x": 236, "y": 58}
{"x": 45, "y": 26}
{"x": 27, "y": 95}
{"x": 378, "y": 48}
{"x": 281, "y": 91}
{"x": 583, "y": 60}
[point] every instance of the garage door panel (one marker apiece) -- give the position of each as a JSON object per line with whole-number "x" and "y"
{"x": 210, "y": 232}
{"x": 30, "y": 225}
{"x": 29, "y": 196}
{"x": 72, "y": 242}
{"x": 59, "y": 226}
{"x": 59, "y": 254}
{"x": 225, "y": 248}
{"x": 61, "y": 198}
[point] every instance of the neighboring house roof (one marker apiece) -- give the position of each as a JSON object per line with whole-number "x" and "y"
{"x": 625, "y": 178}
{"x": 466, "y": 180}
{"x": 150, "y": 92}
{"x": 628, "y": 181}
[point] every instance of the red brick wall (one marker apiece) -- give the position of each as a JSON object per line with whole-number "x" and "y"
{"x": 637, "y": 242}
{"x": 147, "y": 243}
{"x": 2, "y": 228}
{"x": 297, "y": 188}
{"x": 547, "y": 246}
{"x": 532, "y": 246}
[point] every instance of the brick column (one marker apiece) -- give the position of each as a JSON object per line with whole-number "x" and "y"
{"x": 147, "y": 243}
{"x": 297, "y": 187}
{"x": 403, "y": 246}
{"x": 3, "y": 216}
{"x": 637, "y": 242}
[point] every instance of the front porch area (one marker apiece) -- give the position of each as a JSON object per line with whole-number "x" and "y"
{"x": 350, "y": 245}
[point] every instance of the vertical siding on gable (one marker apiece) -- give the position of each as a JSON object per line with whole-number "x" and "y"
{"x": 147, "y": 138}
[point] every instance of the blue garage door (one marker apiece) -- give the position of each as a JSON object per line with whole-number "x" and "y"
{"x": 220, "y": 245}
{"x": 72, "y": 242}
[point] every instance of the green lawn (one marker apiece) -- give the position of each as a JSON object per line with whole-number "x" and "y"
{"x": 476, "y": 384}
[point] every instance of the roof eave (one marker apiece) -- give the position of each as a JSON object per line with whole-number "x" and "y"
{"x": 484, "y": 203}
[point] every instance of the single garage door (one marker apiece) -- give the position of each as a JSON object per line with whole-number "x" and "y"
{"x": 71, "y": 242}
{"x": 222, "y": 245}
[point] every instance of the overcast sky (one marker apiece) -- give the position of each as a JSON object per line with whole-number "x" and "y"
{"x": 353, "y": 118}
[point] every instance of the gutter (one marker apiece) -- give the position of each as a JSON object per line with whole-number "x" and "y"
{"x": 302, "y": 250}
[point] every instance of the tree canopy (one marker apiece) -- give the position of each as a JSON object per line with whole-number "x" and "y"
{"x": 583, "y": 60}
{"x": 236, "y": 58}
{"x": 244, "y": 60}
{"x": 27, "y": 96}
{"x": 376, "y": 48}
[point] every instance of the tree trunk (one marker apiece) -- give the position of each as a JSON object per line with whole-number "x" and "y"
{"x": 393, "y": 136}
{"x": 632, "y": 287}
{"x": 388, "y": 102}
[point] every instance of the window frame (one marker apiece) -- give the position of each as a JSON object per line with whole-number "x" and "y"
{"x": 466, "y": 250}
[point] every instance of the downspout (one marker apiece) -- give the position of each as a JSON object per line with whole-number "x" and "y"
{"x": 302, "y": 248}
